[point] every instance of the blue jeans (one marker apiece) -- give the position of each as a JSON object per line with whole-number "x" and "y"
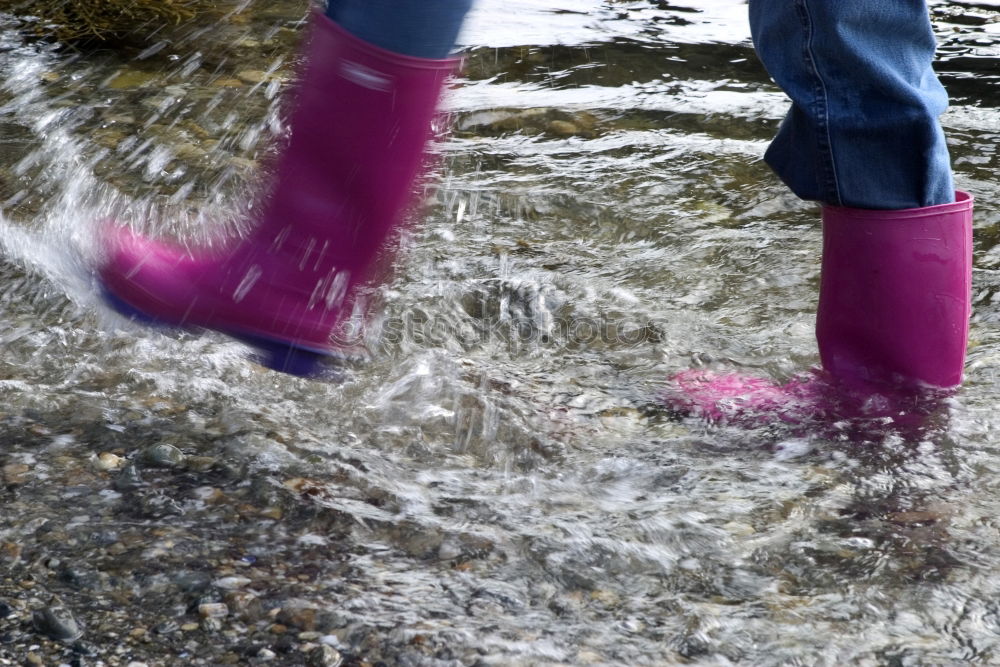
{"x": 421, "y": 28}
{"x": 863, "y": 129}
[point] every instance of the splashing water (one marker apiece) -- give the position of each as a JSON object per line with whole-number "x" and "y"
{"x": 496, "y": 483}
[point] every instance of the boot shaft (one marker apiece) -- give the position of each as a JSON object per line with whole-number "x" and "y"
{"x": 361, "y": 121}
{"x": 895, "y": 294}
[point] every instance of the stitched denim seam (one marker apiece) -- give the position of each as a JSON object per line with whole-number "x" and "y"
{"x": 821, "y": 107}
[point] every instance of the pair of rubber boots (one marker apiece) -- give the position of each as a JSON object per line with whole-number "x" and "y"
{"x": 892, "y": 325}
{"x": 894, "y": 297}
{"x": 361, "y": 121}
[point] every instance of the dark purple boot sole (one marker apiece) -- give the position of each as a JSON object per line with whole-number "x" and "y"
{"x": 276, "y": 355}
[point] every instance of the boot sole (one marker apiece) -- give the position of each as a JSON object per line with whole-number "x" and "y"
{"x": 277, "y": 355}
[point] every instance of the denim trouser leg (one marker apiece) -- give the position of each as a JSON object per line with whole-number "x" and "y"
{"x": 422, "y": 28}
{"x": 863, "y": 129}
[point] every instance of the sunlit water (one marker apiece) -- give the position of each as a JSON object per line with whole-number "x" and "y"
{"x": 497, "y": 476}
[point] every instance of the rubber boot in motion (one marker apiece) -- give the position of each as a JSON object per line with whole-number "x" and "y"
{"x": 361, "y": 121}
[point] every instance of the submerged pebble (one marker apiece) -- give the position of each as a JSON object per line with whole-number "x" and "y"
{"x": 56, "y": 622}
{"x": 324, "y": 656}
{"x": 213, "y": 610}
{"x": 128, "y": 78}
{"x": 15, "y": 474}
{"x": 106, "y": 461}
{"x": 231, "y": 583}
{"x": 163, "y": 456}
{"x": 128, "y": 477}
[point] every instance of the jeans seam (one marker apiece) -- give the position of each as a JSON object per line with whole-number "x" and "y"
{"x": 822, "y": 111}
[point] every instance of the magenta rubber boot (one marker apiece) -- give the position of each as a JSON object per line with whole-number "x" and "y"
{"x": 359, "y": 128}
{"x": 892, "y": 323}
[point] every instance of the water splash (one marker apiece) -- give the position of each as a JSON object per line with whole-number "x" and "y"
{"x": 603, "y": 219}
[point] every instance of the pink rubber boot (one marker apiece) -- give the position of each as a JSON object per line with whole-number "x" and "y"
{"x": 893, "y": 321}
{"x": 361, "y": 122}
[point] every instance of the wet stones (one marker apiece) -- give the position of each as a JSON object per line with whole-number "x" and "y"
{"x": 193, "y": 582}
{"x": 56, "y": 622}
{"x": 166, "y": 627}
{"x": 80, "y": 578}
{"x": 189, "y": 151}
{"x": 324, "y": 656}
{"x": 563, "y": 128}
{"x": 128, "y": 478}
{"x": 200, "y": 463}
{"x": 10, "y": 554}
{"x": 131, "y": 78}
{"x": 300, "y": 614}
{"x": 227, "y": 82}
{"x": 416, "y": 540}
{"x": 244, "y": 605}
{"x": 231, "y": 583}
{"x": 213, "y": 610}
{"x": 15, "y": 474}
{"x": 553, "y": 123}
{"x": 252, "y": 76}
{"x": 107, "y": 461}
{"x": 163, "y": 456}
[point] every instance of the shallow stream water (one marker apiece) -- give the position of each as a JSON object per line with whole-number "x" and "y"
{"x": 495, "y": 483}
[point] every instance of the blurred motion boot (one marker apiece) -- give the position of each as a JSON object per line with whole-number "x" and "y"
{"x": 892, "y": 323}
{"x": 361, "y": 121}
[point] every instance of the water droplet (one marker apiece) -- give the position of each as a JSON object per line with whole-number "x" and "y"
{"x": 251, "y": 277}
{"x": 308, "y": 251}
{"x": 338, "y": 290}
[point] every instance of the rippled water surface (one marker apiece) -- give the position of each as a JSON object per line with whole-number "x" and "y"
{"x": 496, "y": 481}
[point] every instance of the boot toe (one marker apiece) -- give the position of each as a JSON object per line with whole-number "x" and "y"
{"x": 145, "y": 279}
